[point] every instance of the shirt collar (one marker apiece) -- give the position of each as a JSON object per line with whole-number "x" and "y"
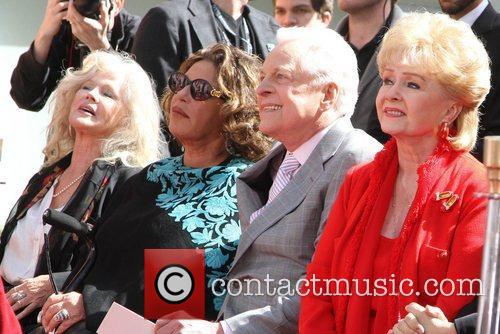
{"x": 303, "y": 152}
{"x": 472, "y": 16}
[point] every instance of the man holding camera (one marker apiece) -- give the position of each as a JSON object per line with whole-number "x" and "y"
{"x": 68, "y": 32}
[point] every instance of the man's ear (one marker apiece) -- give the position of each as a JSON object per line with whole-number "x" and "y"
{"x": 452, "y": 113}
{"x": 326, "y": 18}
{"x": 331, "y": 93}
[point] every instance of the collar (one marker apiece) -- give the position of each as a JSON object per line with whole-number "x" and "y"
{"x": 344, "y": 31}
{"x": 303, "y": 152}
{"x": 472, "y": 16}
{"x": 244, "y": 12}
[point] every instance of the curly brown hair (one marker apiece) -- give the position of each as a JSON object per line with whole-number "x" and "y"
{"x": 237, "y": 79}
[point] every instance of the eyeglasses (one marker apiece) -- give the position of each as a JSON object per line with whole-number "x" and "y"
{"x": 201, "y": 90}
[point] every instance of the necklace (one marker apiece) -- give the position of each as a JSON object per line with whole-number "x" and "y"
{"x": 68, "y": 186}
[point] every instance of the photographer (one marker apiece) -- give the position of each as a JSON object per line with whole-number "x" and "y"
{"x": 68, "y": 32}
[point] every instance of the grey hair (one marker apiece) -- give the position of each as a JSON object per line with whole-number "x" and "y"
{"x": 328, "y": 59}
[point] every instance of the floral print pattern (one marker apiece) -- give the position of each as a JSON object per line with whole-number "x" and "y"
{"x": 203, "y": 201}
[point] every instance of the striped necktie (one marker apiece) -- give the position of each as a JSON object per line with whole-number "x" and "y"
{"x": 285, "y": 173}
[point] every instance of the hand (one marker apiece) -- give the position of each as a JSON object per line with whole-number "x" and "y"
{"x": 92, "y": 33}
{"x": 53, "y": 314}
{"x": 55, "y": 12}
{"x": 431, "y": 318}
{"x": 407, "y": 325}
{"x": 182, "y": 323}
{"x": 30, "y": 295}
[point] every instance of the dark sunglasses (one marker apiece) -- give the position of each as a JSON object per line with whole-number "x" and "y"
{"x": 201, "y": 90}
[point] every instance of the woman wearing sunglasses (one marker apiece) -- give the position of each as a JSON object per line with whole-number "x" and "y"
{"x": 180, "y": 202}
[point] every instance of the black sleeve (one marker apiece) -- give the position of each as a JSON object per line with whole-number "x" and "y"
{"x": 467, "y": 324}
{"x": 32, "y": 82}
{"x": 156, "y": 46}
{"x": 128, "y": 27}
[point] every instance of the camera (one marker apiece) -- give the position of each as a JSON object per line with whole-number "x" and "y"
{"x": 90, "y": 8}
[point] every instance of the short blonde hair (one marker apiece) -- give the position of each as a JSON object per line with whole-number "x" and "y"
{"x": 237, "y": 79}
{"x": 136, "y": 141}
{"x": 449, "y": 51}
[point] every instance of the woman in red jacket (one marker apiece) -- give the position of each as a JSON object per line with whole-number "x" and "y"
{"x": 408, "y": 227}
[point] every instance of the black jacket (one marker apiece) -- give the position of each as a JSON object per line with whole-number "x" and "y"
{"x": 467, "y": 324}
{"x": 487, "y": 28}
{"x": 173, "y": 30}
{"x": 32, "y": 82}
{"x": 87, "y": 203}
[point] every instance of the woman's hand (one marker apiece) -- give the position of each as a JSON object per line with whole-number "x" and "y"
{"x": 430, "y": 320}
{"x": 62, "y": 311}
{"x": 30, "y": 295}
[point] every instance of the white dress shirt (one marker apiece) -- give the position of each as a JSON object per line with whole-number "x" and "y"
{"x": 472, "y": 16}
{"x": 26, "y": 242}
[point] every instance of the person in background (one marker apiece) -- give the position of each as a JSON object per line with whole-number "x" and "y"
{"x": 412, "y": 215}
{"x": 485, "y": 22}
{"x": 174, "y": 29}
{"x": 188, "y": 201}
{"x": 363, "y": 28}
{"x": 105, "y": 124}
{"x": 303, "y": 13}
{"x": 59, "y": 45}
{"x": 305, "y": 102}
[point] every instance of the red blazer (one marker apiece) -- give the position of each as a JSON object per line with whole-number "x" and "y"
{"x": 8, "y": 321}
{"x": 434, "y": 243}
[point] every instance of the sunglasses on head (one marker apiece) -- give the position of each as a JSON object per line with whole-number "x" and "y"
{"x": 200, "y": 89}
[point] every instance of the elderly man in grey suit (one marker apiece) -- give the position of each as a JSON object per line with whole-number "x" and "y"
{"x": 306, "y": 96}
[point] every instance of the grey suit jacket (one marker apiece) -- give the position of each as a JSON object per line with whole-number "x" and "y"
{"x": 365, "y": 113}
{"x": 280, "y": 242}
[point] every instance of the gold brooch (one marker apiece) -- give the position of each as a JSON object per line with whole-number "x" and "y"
{"x": 449, "y": 197}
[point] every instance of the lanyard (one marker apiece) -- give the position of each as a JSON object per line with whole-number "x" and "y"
{"x": 245, "y": 39}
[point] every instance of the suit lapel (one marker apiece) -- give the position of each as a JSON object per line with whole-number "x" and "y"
{"x": 485, "y": 21}
{"x": 296, "y": 190}
{"x": 262, "y": 32}
{"x": 203, "y": 22}
{"x": 258, "y": 175}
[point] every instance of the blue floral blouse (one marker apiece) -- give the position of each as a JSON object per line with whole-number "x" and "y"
{"x": 203, "y": 202}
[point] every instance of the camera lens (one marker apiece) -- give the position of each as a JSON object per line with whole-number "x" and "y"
{"x": 88, "y": 8}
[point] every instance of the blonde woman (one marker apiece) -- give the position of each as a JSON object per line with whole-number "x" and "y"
{"x": 409, "y": 219}
{"x": 104, "y": 126}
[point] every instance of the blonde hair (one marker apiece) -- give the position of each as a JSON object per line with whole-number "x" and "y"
{"x": 449, "y": 51}
{"x": 136, "y": 141}
{"x": 237, "y": 79}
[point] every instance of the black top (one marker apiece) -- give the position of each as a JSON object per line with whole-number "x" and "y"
{"x": 86, "y": 204}
{"x": 32, "y": 82}
{"x": 467, "y": 324}
{"x": 165, "y": 206}
{"x": 365, "y": 54}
